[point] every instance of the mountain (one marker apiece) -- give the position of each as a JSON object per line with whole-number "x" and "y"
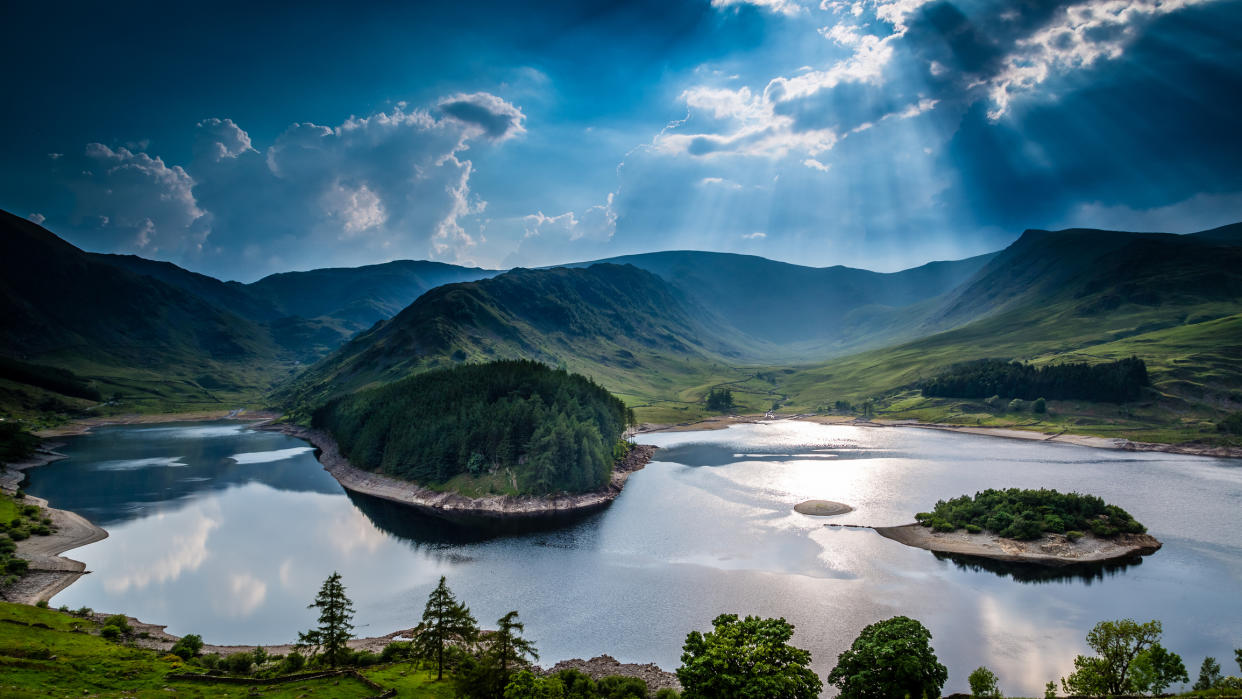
{"x": 131, "y": 335}
{"x": 357, "y": 297}
{"x": 810, "y": 307}
{"x": 625, "y": 327}
{"x": 1076, "y": 296}
{"x": 311, "y": 313}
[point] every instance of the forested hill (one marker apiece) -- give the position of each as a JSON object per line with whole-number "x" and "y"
{"x": 623, "y": 326}
{"x": 509, "y": 427}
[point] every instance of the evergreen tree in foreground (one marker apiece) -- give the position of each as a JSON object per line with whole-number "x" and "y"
{"x": 445, "y": 621}
{"x": 336, "y": 614}
{"x": 507, "y": 648}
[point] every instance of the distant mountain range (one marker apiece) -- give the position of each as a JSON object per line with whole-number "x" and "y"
{"x": 659, "y": 329}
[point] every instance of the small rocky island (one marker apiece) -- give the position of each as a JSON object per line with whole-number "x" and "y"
{"x": 822, "y": 508}
{"x": 1042, "y": 527}
{"x": 500, "y": 439}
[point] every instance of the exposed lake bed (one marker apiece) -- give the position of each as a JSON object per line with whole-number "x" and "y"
{"x": 234, "y": 548}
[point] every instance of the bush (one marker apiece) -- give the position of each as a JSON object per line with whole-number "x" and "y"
{"x": 187, "y": 646}
{"x": 397, "y": 650}
{"x": 617, "y": 687}
{"x": 1074, "y": 535}
{"x": 83, "y": 612}
{"x": 210, "y": 661}
{"x": 293, "y": 662}
{"x": 18, "y": 534}
{"x": 974, "y": 528}
{"x": 40, "y": 530}
{"x": 41, "y": 604}
{"x": 1040, "y": 406}
{"x": 120, "y": 621}
{"x": 667, "y": 693}
{"x": 16, "y": 566}
{"x": 239, "y": 663}
{"x": 111, "y": 633}
{"x": 259, "y": 654}
{"x": 1016, "y": 405}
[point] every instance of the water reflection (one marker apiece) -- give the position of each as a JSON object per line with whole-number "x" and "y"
{"x": 235, "y": 551}
{"x": 425, "y": 530}
{"x": 1086, "y": 573}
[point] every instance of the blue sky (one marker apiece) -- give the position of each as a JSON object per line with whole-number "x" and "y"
{"x": 239, "y": 141}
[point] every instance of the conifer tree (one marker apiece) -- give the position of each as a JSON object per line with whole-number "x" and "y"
{"x": 336, "y": 615}
{"x": 445, "y": 621}
{"x": 507, "y": 648}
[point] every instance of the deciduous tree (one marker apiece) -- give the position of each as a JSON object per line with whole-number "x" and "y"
{"x": 891, "y": 658}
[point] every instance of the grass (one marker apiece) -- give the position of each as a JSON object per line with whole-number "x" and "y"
{"x": 49, "y": 653}
{"x": 1196, "y": 378}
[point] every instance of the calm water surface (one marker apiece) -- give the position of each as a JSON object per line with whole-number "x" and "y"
{"x": 227, "y": 532}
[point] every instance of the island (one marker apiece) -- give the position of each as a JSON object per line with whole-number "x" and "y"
{"x": 1043, "y": 527}
{"x": 499, "y": 439}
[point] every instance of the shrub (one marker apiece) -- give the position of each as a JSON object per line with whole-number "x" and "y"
{"x": 974, "y": 528}
{"x": 188, "y": 646}
{"x": 120, "y": 621}
{"x": 40, "y": 530}
{"x": 83, "y": 612}
{"x": 667, "y": 693}
{"x": 293, "y": 662}
{"x": 211, "y": 661}
{"x": 397, "y": 650}
{"x": 16, "y": 566}
{"x": 111, "y": 633}
{"x": 259, "y": 654}
{"x": 1040, "y": 406}
{"x": 41, "y": 604}
{"x": 1074, "y": 535}
{"x": 239, "y": 663}
{"x": 18, "y": 534}
{"x": 616, "y": 687}
{"x": 1016, "y": 405}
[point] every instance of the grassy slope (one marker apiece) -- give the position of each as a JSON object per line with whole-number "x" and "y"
{"x": 623, "y": 327}
{"x": 1194, "y": 370}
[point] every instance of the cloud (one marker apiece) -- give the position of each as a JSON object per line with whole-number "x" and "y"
{"x": 816, "y": 165}
{"x": 498, "y": 119}
{"x": 392, "y": 184}
{"x": 757, "y": 235}
{"x": 37, "y": 218}
{"x": 783, "y": 7}
{"x": 140, "y": 202}
{"x": 221, "y": 138}
{"x": 719, "y": 182}
{"x": 1078, "y": 37}
{"x": 566, "y": 236}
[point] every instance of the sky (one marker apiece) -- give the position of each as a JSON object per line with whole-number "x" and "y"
{"x": 240, "y": 140}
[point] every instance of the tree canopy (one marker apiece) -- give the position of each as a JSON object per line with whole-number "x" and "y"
{"x": 552, "y": 430}
{"x": 890, "y": 658}
{"x": 1118, "y": 644}
{"x": 1027, "y": 514}
{"x": 1114, "y": 382}
{"x": 746, "y": 659}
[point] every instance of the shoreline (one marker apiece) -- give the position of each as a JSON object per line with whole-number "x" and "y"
{"x": 50, "y": 572}
{"x": 1053, "y": 550}
{"x": 442, "y": 504}
{"x": 1082, "y": 440}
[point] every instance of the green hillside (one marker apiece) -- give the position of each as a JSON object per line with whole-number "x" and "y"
{"x": 141, "y": 343}
{"x": 356, "y": 297}
{"x": 808, "y": 312}
{"x": 624, "y": 327}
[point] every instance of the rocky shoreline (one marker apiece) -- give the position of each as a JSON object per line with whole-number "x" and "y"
{"x": 441, "y": 504}
{"x": 1049, "y": 550}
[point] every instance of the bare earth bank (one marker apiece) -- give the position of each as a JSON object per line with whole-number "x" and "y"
{"x": 1049, "y": 550}
{"x": 50, "y": 572}
{"x": 435, "y": 502}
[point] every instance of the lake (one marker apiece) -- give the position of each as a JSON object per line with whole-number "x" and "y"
{"x": 227, "y": 532}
